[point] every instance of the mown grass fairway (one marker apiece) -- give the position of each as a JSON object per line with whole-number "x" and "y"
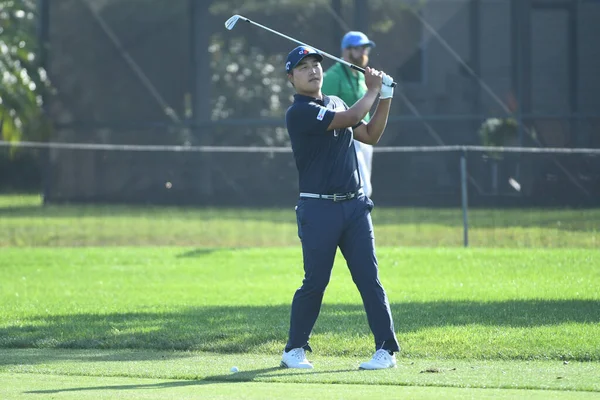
{"x": 82, "y": 387}
{"x": 477, "y": 304}
{"x": 472, "y": 318}
{"x": 122, "y": 320}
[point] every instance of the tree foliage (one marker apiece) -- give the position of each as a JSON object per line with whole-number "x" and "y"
{"x": 23, "y": 82}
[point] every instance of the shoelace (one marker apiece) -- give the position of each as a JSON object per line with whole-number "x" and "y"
{"x": 380, "y": 355}
{"x": 298, "y": 354}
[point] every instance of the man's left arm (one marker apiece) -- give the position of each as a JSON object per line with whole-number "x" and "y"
{"x": 371, "y": 132}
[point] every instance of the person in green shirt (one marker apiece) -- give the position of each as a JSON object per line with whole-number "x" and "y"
{"x": 349, "y": 85}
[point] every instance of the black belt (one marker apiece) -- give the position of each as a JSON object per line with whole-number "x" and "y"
{"x": 335, "y": 197}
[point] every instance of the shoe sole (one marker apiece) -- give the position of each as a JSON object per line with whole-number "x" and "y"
{"x": 375, "y": 369}
{"x": 284, "y": 365}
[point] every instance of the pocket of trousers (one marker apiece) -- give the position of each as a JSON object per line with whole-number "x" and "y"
{"x": 299, "y": 218}
{"x": 368, "y": 203}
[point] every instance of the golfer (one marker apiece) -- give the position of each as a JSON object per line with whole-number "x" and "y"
{"x": 333, "y": 210}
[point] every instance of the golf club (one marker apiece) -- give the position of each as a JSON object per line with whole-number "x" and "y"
{"x": 230, "y": 23}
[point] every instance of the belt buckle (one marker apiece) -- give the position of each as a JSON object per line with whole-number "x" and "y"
{"x": 343, "y": 196}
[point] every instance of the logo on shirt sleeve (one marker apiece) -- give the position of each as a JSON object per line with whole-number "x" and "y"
{"x": 321, "y": 114}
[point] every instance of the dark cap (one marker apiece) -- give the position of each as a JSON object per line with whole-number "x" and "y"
{"x": 298, "y": 54}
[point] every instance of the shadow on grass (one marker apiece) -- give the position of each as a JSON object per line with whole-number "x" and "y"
{"x": 203, "y": 252}
{"x": 246, "y": 376}
{"x": 229, "y": 329}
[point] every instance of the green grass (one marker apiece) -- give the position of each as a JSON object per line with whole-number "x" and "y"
{"x": 159, "y": 302}
{"x": 25, "y": 222}
{"x": 447, "y": 304}
{"x": 148, "y": 371}
{"x": 32, "y": 386}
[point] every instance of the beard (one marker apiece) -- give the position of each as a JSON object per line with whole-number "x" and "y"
{"x": 361, "y": 61}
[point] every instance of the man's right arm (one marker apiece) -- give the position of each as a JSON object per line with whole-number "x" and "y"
{"x": 355, "y": 114}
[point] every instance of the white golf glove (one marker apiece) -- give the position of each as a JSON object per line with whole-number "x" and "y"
{"x": 387, "y": 91}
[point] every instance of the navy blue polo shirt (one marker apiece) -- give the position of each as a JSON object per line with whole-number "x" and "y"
{"x": 326, "y": 160}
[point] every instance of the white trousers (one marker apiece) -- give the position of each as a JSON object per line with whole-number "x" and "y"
{"x": 364, "y": 155}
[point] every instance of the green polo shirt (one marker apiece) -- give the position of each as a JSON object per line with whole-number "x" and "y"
{"x": 340, "y": 81}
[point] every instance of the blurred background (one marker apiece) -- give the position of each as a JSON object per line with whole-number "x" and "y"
{"x": 127, "y": 74}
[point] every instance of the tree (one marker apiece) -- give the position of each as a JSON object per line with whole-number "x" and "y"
{"x": 23, "y": 82}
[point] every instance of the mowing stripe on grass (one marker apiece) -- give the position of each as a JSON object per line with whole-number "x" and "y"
{"x": 448, "y": 303}
{"x": 25, "y": 222}
{"x": 209, "y": 368}
{"x": 32, "y": 386}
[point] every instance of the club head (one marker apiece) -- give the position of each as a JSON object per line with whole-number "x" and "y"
{"x": 230, "y": 23}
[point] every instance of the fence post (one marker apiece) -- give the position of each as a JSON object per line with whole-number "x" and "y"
{"x": 463, "y": 186}
{"x": 43, "y": 37}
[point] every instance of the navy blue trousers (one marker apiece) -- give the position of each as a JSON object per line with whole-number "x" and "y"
{"x": 323, "y": 226}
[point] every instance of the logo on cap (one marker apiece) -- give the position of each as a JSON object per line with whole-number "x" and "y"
{"x": 296, "y": 55}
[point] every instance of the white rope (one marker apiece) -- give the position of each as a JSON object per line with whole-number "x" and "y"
{"x": 281, "y": 149}
{"x": 154, "y": 148}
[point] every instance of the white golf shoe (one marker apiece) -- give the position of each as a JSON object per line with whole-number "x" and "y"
{"x": 381, "y": 360}
{"x": 295, "y": 358}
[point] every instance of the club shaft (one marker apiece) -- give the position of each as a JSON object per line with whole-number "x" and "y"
{"x": 350, "y": 65}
